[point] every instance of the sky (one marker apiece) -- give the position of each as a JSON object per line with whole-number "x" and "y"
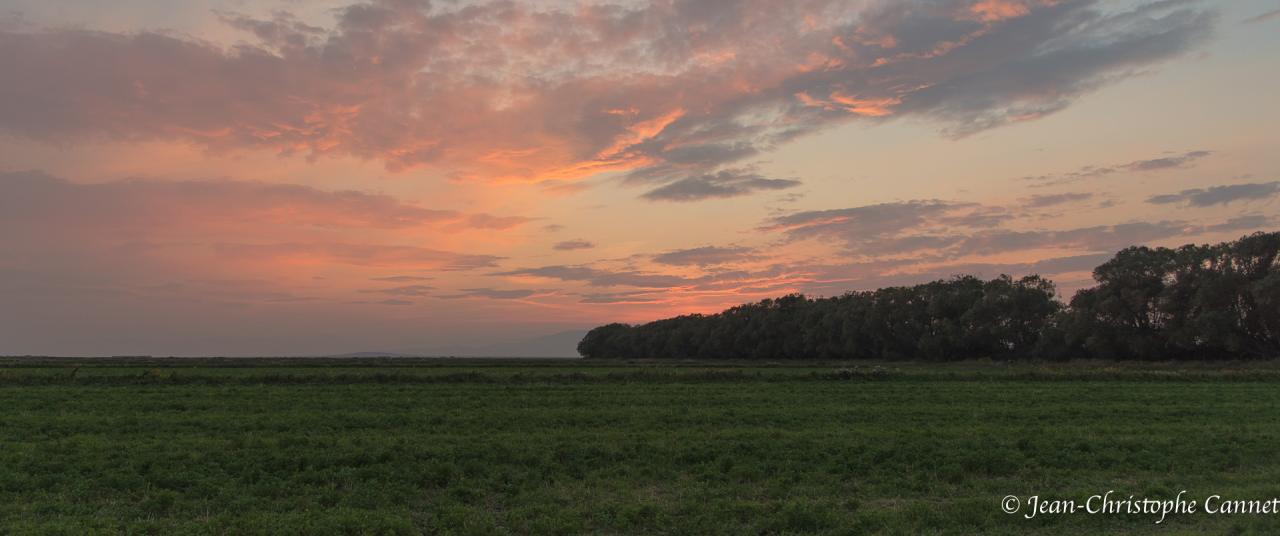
{"x": 295, "y": 177}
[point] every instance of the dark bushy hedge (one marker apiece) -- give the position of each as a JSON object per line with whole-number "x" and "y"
{"x": 1215, "y": 301}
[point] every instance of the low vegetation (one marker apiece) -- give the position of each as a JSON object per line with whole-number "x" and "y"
{"x": 1217, "y": 301}
{"x": 176, "y": 446}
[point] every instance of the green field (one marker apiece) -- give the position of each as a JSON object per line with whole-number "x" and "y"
{"x": 566, "y": 447}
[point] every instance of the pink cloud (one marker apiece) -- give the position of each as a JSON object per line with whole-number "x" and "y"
{"x": 125, "y": 230}
{"x": 998, "y": 10}
{"x": 167, "y": 206}
{"x": 356, "y": 254}
{"x": 511, "y": 92}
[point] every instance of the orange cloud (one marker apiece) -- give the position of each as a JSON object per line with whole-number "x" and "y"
{"x": 178, "y": 206}
{"x": 501, "y": 91}
{"x": 402, "y": 257}
{"x": 998, "y": 10}
{"x": 867, "y": 107}
{"x": 219, "y": 229}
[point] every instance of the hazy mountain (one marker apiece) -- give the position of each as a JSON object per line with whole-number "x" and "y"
{"x": 562, "y": 344}
{"x": 371, "y": 354}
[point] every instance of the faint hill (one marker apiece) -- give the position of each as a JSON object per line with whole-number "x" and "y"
{"x": 562, "y": 344}
{"x": 370, "y": 354}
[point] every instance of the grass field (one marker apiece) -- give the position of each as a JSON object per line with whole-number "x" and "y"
{"x": 566, "y": 447}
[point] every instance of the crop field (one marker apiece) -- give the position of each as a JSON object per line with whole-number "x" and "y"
{"x": 410, "y": 446}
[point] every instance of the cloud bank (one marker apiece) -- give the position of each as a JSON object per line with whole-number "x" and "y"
{"x": 668, "y": 91}
{"x": 1219, "y": 195}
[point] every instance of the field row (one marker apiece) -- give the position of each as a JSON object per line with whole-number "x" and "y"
{"x": 696, "y": 457}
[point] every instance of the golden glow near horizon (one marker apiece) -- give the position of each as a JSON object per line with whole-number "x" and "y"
{"x": 323, "y": 177}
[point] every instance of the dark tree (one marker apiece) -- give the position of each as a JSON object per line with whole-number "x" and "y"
{"x": 1205, "y": 302}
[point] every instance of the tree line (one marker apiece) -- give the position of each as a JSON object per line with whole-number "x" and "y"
{"x": 1219, "y": 301}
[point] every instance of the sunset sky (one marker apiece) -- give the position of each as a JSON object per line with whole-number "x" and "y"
{"x": 290, "y": 177}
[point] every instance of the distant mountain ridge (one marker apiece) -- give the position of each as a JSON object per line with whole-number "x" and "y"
{"x": 560, "y": 344}
{"x": 370, "y": 354}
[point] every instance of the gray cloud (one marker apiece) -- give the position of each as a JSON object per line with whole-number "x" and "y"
{"x": 570, "y": 245}
{"x": 679, "y": 89}
{"x": 1242, "y": 223}
{"x": 489, "y": 221}
{"x": 1219, "y": 195}
{"x": 883, "y": 227}
{"x": 838, "y": 279}
{"x": 706, "y": 256}
{"x": 710, "y": 280}
{"x": 726, "y": 183}
{"x": 157, "y": 205}
{"x": 621, "y": 297}
{"x": 109, "y": 235}
{"x": 1178, "y": 161}
{"x": 601, "y": 278}
{"x": 400, "y": 278}
{"x": 904, "y": 59}
{"x": 1262, "y": 17}
{"x": 1095, "y": 238}
{"x": 912, "y": 257}
{"x": 1074, "y": 263}
{"x": 393, "y": 302}
{"x": 493, "y": 294}
{"x": 938, "y": 230}
{"x": 1050, "y": 200}
{"x": 359, "y": 255}
{"x": 406, "y": 290}
{"x": 868, "y": 219}
{"x": 1037, "y": 64}
{"x": 1167, "y": 162}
